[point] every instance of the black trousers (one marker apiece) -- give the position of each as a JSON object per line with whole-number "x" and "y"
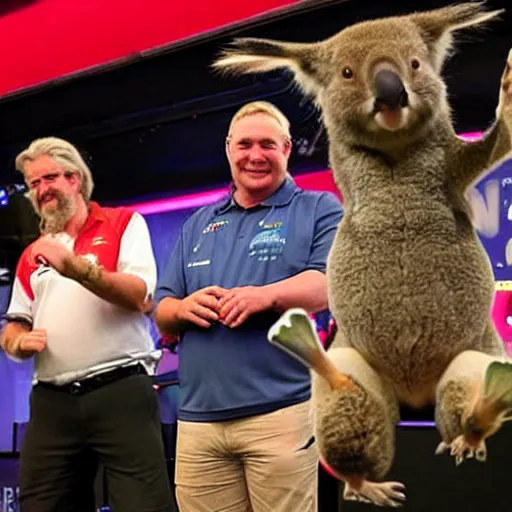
{"x": 117, "y": 425}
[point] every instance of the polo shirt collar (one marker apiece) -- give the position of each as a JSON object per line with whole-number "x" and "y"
{"x": 281, "y": 197}
{"x": 96, "y": 214}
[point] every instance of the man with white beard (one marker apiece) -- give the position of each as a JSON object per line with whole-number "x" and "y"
{"x": 78, "y": 306}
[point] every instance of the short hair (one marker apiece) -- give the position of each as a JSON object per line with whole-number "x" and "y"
{"x": 64, "y": 154}
{"x": 262, "y": 107}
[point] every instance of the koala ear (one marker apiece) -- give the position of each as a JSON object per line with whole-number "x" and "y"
{"x": 436, "y": 27}
{"x": 252, "y": 55}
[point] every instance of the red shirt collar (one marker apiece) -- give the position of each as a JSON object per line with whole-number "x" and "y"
{"x": 96, "y": 214}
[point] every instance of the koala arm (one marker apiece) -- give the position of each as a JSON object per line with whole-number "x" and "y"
{"x": 471, "y": 160}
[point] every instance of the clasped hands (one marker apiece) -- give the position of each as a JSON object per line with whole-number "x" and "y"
{"x": 229, "y": 307}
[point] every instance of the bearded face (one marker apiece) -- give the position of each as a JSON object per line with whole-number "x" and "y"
{"x": 55, "y": 209}
{"x": 54, "y": 192}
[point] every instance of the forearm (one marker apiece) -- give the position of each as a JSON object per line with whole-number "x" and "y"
{"x": 475, "y": 159}
{"x": 10, "y": 340}
{"x": 497, "y": 141}
{"x": 307, "y": 290}
{"x": 125, "y": 290}
{"x": 495, "y": 144}
{"x": 166, "y": 317}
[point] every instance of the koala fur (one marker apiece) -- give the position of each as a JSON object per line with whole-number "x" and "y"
{"x": 410, "y": 285}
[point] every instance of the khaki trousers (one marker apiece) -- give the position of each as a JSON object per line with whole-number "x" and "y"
{"x": 264, "y": 463}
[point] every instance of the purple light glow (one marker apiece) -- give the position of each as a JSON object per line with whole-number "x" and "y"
{"x": 180, "y": 203}
{"x": 471, "y": 136}
{"x": 420, "y": 424}
{"x": 204, "y": 198}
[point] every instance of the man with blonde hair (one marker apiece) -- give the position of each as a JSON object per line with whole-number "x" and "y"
{"x": 78, "y": 306}
{"x": 245, "y": 431}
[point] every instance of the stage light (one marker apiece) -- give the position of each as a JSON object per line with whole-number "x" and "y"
{"x": 8, "y": 191}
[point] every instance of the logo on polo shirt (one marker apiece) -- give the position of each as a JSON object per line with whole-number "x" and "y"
{"x": 213, "y": 227}
{"x": 99, "y": 240}
{"x": 200, "y": 263}
{"x": 272, "y": 225}
{"x": 269, "y": 243}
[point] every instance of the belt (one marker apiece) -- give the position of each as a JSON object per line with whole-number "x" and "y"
{"x": 81, "y": 387}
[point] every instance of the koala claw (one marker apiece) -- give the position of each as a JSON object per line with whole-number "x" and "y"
{"x": 441, "y": 448}
{"x": 383, "y": 494}
{"x": 461, "y": 449}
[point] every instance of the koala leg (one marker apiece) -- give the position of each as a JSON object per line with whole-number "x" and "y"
{"x": 474, "y": 397}
{"x": 355, "y": 428}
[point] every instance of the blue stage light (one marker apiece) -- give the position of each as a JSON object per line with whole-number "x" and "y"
{"x": 9, "y": 190}
{"x": 4, "y": 197}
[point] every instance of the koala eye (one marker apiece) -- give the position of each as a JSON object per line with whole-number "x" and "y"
{"x": 347, "y": 73}
{"x": 415, "y": 64}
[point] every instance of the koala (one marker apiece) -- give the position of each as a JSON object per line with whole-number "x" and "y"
{"x": 409, "y": 284}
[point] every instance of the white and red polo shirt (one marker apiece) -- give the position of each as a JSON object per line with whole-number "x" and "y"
{"x": 87, "y": 335}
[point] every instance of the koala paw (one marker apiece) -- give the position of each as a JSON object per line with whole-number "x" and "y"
{"x": 461, "y": 449}
{"x": 504, "y": 110}
{"x": 383, "y": 494}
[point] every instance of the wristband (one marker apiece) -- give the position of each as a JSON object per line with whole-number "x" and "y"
{"x": 92, "y": 274}
{"x": 19, "y": 318}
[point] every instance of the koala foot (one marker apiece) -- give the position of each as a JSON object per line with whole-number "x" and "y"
{"x": 383, "y": 494}
{"x": 461, "y": 449}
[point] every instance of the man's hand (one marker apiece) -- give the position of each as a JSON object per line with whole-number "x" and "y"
{"x": 31, "y": 342}
{"x": 201, "y": 307}
{"x": 48, "y": 250}
{"x": 238, "y": 304}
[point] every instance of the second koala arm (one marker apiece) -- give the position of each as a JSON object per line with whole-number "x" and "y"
{"x": 471, "y": 160}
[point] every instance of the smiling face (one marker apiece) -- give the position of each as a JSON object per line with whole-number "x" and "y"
{"x": 258, "y": 150}
{"x": 53, "y": 191}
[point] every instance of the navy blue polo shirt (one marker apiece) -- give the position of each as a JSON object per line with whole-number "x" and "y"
{"x": 233, "y": 373}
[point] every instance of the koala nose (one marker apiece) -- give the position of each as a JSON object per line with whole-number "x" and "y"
{"x": 389, "y": 90}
